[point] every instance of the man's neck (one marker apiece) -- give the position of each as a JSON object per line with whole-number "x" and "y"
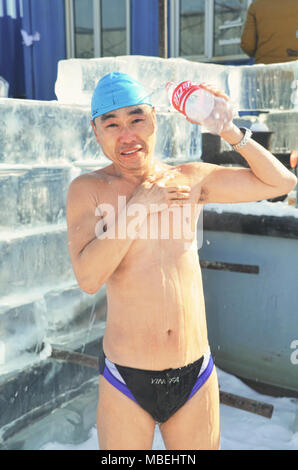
{"x": 138, "y": 176}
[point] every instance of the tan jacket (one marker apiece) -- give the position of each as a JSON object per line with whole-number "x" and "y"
{"x": 270, "y": 33}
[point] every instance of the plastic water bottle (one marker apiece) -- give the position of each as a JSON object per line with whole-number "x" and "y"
{"x": 201, "y": 106}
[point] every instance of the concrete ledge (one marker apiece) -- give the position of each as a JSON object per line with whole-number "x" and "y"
{"x": 268, "y": 225}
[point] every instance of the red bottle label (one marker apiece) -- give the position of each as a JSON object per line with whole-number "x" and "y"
{"x": 181, "y": 93}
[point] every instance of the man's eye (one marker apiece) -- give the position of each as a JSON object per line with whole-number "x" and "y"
{"x": 137, "y": 120}
{"x": 112, "y": 125}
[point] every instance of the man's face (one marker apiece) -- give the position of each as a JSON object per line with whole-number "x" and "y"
{"x": 127, "y": 136}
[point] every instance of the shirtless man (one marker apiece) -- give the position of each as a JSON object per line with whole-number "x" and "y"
{"x": 155, "y": 366}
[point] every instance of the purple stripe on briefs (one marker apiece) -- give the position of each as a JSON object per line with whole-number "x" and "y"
{"x": 117, "y": 384}
{"x": 202, "y": 378}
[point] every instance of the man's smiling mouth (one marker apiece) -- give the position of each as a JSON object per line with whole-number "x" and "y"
{"x": 132, "y": 151}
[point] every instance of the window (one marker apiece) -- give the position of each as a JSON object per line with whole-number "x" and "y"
{"x": 83, "y": 28}
{"x": 229, "y": 17}
{"x": 97, "y": 28}
{"x": 207, "y": 29}
{"x": 113, "y": 28}
{"x": 192, "y": 27}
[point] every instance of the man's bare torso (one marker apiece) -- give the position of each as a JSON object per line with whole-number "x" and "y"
{"x": 156, "y": 314}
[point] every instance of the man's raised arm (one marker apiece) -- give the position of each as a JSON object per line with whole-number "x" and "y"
{"x": 266, "y": 178}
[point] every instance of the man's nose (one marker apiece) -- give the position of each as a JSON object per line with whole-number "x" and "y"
{"x": 127, "y": 135}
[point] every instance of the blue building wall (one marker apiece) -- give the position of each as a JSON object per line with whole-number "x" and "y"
{"x": 11, "y": 48}
{"x": 32, "y": 41}
{"x": 46, "y": 21}
{"x": 144, "y": 27}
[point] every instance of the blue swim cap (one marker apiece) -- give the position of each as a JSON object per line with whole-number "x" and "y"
{"x": 117, "y": 90}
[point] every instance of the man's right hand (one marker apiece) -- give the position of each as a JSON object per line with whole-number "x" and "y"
{"x": 156, "y": 192}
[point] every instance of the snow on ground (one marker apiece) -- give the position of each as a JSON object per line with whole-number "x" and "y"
{"x": 240, "y": 430}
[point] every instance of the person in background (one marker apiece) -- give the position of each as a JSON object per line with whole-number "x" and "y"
{"x": 270, "y": 33}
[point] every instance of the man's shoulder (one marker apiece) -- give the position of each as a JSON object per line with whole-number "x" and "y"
{"x": 195, "y": 168}
{"x": 188, "y": 166}
{"x": 87, "y": 184}
{"x": 90, "y": 178}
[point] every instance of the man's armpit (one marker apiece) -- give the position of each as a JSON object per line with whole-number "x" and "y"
{"x": 203, "y": 197}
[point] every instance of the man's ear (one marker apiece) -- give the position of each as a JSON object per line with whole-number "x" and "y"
{"x": 93, "y": 126}
{"x": 95, "y": 131}
{"x": 154, "y": 114}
